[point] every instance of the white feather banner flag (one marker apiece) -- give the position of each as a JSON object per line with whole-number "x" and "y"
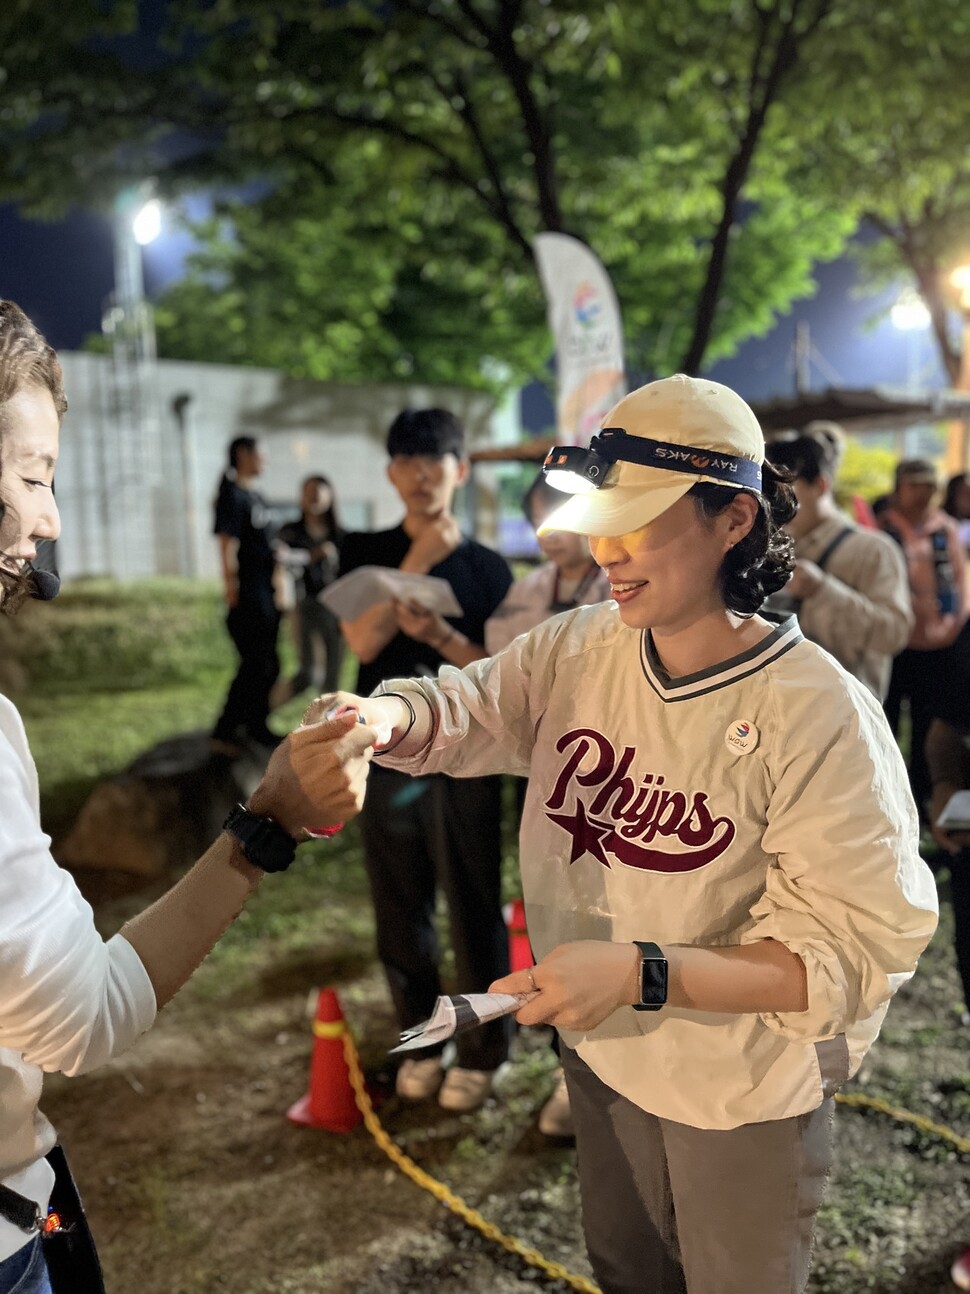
{"x": 584, "y": 316}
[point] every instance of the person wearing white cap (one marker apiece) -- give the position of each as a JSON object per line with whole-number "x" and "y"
{"x": 719, "y": 851}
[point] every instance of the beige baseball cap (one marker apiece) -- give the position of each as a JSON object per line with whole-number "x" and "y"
{"x": 701, "y": 429}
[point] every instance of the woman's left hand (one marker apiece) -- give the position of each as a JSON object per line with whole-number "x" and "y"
{"x": 419, "y": 623}
{"x": 579, "y": 984}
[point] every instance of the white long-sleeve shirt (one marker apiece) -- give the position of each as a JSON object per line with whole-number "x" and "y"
{"x": 68, "y": 1000}
{"x": 761, "y": 798}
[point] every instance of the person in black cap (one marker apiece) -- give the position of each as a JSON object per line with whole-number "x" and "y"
{"x": 435, "y": 831}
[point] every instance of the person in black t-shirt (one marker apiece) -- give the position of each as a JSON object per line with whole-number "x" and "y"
{"x": 242, "y": 526}
{"x": 310, "y": 550}
{"x": 430, "y": 831}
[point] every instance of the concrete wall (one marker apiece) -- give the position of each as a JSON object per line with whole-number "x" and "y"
{"x": 137, "y": 500}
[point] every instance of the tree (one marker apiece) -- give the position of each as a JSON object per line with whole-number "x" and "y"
{"x": 444, "y": 134}
{"x": 637, "y": 129}
{"x": 898, "y": 150}
{"x": 310, "y": 280}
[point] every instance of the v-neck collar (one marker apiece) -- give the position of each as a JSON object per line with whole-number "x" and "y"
{"x": 770, "y": 648}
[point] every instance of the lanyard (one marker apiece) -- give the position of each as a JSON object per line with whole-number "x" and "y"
{"x": 560, "y": 604}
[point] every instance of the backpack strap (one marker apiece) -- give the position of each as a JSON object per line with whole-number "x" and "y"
{"x": 822, "y": 560}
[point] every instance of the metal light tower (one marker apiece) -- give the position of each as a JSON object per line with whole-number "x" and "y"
{"x": 131, "y": 467}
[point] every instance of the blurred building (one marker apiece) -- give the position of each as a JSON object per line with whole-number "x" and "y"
{"x": 136, "y": 493}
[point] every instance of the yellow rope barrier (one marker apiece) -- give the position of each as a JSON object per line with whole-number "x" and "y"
{"x": 532, "y": 1256}
{"x": 859, "y": 1101}
{"x": 443, "y": 1193}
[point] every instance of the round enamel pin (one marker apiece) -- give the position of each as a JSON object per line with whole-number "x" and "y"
{"x": 741, "y": 737}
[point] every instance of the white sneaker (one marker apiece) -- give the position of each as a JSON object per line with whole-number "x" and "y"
{"x": 465, "y": 1089}
{"x": 418, "y": 1079}
{"x": 555, "y": 1117}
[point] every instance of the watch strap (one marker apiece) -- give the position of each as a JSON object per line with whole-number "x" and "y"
{"x": 265, "y": 843}
{"x": 653, "y": 977}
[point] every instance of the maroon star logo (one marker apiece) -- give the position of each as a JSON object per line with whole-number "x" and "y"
{"x": 587, "y": 833}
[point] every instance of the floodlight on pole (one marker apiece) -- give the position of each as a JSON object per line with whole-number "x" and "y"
{"x": 960, "y": 278}
{"x": 910, "y": 316}
{"x": 909, "y": 313}
{"x": 146, "y": 223}
{"x": 130, "y": 430}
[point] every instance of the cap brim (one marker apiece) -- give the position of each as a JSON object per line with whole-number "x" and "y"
{"x": 616, "y": 510}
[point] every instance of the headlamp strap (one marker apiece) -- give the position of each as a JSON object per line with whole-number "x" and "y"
{"x": 615, "y": 444}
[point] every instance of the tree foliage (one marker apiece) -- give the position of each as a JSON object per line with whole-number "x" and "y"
{"x": 58, "y": 74}
{"x": 640, "y": 128}
{"x": 898, "y": 149}
{"x": 710, "y": 152}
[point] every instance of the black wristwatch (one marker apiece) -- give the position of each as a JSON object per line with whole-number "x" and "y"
{"x": 264, "y": 842}
{"x": 653, "y": 977}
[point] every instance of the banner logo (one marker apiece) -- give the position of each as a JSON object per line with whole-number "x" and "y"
{"x": 586, "y": 305}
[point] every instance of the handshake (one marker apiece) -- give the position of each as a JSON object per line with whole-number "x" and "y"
{"x": 316, "y": 779}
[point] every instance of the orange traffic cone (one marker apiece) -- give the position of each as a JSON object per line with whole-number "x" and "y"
{"x": 520, "y": 950}
{"x": 330, "y": 1101}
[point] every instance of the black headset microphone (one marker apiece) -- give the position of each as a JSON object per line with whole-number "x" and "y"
{"x": 44, "y": 585}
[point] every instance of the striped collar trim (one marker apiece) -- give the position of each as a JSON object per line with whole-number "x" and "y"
{"x": 775, "y": 645}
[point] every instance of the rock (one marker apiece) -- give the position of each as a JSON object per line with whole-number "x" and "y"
{"x": 162, "y": 812}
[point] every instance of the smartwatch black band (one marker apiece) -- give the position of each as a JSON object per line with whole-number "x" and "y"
{"x": 653, "y": 977}
{"x": 264, "y": 842}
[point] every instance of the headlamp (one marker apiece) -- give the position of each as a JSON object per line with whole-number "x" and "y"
{"x": 575, "y": 470}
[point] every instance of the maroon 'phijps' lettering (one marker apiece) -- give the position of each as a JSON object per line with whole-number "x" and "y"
{"x": 626, "y": 816}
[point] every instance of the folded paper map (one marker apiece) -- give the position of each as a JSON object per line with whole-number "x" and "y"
{"x": 956, "y": 813}
{"x": 453, "y": 1015}
{"x": 353, "y": 594}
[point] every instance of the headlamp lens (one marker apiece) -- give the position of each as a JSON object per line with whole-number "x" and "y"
{"x": 569, "y": 482}
{"x": 574, "y": 470}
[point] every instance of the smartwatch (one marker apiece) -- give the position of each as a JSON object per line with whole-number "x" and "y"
{"x": 653, "y": 977}
{"x": 264, "y": 842}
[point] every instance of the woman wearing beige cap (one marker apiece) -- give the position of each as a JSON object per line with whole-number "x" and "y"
{"x": 718, "y": 853}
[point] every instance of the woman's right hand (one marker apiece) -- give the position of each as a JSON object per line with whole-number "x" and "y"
{"x": 388, "y": 716}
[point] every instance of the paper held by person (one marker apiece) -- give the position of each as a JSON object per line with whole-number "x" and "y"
{"x": 453, "y": 1015}
{"x": 353, "y": 594}
{"x": 956, "y": 813}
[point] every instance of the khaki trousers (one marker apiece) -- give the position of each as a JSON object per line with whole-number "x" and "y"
{"x": 671, "y": 1209}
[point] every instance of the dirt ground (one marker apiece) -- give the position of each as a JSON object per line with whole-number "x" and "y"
{"x": 194, "y": 1180}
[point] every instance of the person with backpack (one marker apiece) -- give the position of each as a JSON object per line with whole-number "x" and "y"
{"x": 849, "y": 586}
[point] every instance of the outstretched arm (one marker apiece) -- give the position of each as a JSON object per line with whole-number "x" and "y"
{"x": 315, "y": 778}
